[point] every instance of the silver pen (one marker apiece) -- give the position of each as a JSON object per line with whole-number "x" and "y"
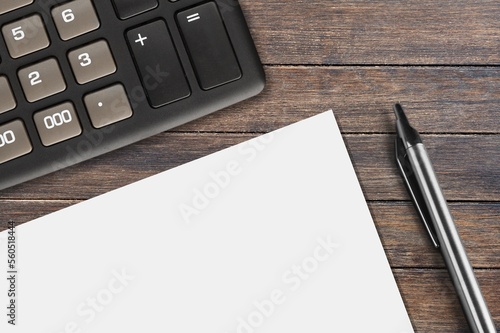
{"x": 422, "y": 184}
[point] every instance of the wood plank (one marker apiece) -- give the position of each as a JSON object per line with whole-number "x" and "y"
{"x": 432, "y": 302}
{"x": 467, "y": 166}
{"x": 334, "y": 37}
{"x": 407, "y": 244}
{"x": 20, "y": 211}
{"x": 437, "y": 100}
{"x": 375, "y": 32}
{"x": 403, "y": 236}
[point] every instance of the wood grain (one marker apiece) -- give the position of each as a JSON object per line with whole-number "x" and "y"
{"x": 437, "y": 100}
{"x": 375, "y": 32}
{"x": 407, "y": 244}
{"x": 432, "y": 302}
{"x": 403, "y": 236}
{"x": 466, "y": 165}
{"x": 439, "y": 58}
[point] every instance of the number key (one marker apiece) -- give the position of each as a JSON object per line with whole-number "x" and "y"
{"x": 57, "y": 124}
{"x": 92, "y": 62}
{"x": 42, "y": 80}
{"x": 10, "y": 5}
{"x": 14, "y": 141}
{"x": 7, "y": 100}
{"x": 75, "y": 18}
{"x": 25, "y": 36}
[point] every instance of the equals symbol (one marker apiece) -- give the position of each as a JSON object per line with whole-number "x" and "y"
{"x": 193, "y": 17}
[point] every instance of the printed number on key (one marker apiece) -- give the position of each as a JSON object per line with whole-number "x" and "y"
{"x": 34, "y": 78}
{"x": 18, "y": 33}
{"x": 85, "y": 59}
{"x": 68, "y": 16}
{"x": 7, "y": 138}
{"x": 58, "y": 119}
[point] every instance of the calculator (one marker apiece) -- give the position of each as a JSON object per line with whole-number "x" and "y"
{"x": 83, "y": 77}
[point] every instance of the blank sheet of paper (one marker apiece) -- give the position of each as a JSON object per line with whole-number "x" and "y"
{"x": 272, "y": 235}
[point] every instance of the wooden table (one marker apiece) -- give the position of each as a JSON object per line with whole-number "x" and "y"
{"x": 439, "y": 58}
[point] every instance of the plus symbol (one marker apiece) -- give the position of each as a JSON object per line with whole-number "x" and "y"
{"x": 141, "y": 39}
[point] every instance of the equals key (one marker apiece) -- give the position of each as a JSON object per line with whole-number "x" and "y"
{"x": 193, "y": 17}
{"x": 209, "y": 46}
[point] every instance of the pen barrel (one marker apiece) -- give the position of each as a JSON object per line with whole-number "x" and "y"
{"x": 452, "y": 249}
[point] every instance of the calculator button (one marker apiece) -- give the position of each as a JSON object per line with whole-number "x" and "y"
{"x": 7, "y": 100}
{"x": 75, "y": 18}
{"x": 57, "y": 124}
{"x": 129, "y": 8}
{"x": 92, "y": 62}
{"x": 209, "y": 46}
{"x": 9, "y": 5}
{"x": 42, "y": 80}
{"x": 14, "y": 141}
{"x": 159, "y": 67}
{"x": 25, "y": 36}
{"x": 108, "y": 106}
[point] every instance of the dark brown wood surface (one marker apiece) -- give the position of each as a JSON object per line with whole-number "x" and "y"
{"x": 439, "y": 58}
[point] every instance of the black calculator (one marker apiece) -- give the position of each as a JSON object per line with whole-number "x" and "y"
{"x": 83, "y": 77}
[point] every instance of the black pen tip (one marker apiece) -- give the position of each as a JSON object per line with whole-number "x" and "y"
{"x": 405, "y": 131}
{"x": 400, "y": 114}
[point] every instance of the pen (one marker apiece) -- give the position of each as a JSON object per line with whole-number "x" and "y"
{"x": 421, "y": 182}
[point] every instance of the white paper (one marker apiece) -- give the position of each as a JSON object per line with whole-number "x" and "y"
{"x": 272, "y": 235}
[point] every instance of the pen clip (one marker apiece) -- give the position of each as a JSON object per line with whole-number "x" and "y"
{"x": 415, "y": 193}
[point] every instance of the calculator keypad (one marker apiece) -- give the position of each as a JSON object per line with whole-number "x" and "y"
{"x": 75, "y": 18}
{"x": 42, "y": 80}
{"x": 108, "y": 106}
{"x": 7, "y": 100}
{"x": 14, "y": 141}
{"x": 9, "y": 5}
{"x": 92, "y": 62}
{"x": 25, "y": 36}
{"x": 79, "y": 78}
{"x": 57, "y": 124}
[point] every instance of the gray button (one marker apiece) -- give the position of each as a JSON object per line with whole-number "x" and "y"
{"x": 25, "y": 36}
{"x": 42, "y": 80}
{"x": 7, "y": 100}
{"x": 75, "y": 18}
{"x": 14, "y": 141}
{"x": 108, "y": 106}
{"x": 57, "y": 124}
{"x": 10, "y": 5}
{"x": 92, "y": 62}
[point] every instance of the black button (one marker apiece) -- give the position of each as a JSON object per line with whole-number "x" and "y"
{"x": 129, "y": 8}
{"x": 158, "y": 64}
{"x": 209, "y": 46}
